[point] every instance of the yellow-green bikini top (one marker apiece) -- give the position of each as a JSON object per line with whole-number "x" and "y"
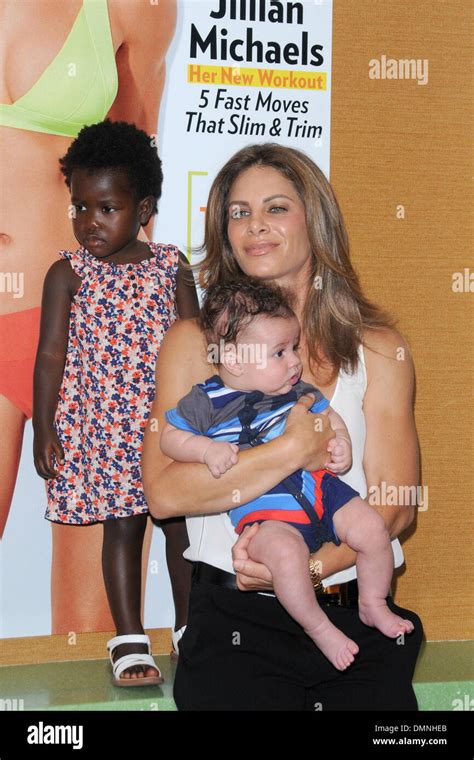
{"x": 79, "y": 85}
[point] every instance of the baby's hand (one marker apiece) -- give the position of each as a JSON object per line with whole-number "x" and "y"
{"x": 341, "y": 455}
{"x": 220, "y": 456}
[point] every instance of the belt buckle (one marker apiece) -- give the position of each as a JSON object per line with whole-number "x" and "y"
{"x": 335, "y": 595}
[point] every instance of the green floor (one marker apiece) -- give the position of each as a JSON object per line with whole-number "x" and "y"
{"x": 444, "y": 676}
{"x": 83, "y": 685}
{"x": 444, "y": 680}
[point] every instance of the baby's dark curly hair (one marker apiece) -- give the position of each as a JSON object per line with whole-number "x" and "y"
{"x": 230, "y": 307}
{"x": 117, "y": 145}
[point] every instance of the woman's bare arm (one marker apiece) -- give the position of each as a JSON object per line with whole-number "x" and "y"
{"x": 143, "y": 32}
{"x": 390, "y": 455}
{"x": 174, "y": 488}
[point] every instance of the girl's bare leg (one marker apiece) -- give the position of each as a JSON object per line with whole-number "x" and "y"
{"x": 282, "y": 549}
{"x": 364, "y": 530}
{"x": 122, "y": 568}
{"x": 179, "y": 569}
{"x": 79, "y": 600}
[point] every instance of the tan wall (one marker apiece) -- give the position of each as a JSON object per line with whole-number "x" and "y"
{"x": 396, "y": 142}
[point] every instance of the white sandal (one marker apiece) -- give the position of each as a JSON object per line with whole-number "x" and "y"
{"x": 131, "y": 660}
{"x": 176, "y": 637}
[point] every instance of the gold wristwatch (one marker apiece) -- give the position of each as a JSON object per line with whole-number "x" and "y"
{"x": 314, "y": 571}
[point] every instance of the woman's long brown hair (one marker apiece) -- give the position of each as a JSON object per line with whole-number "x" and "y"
{"x": 335, "y": 311}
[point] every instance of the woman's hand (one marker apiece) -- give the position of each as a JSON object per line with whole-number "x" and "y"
{"x": 251, "y": 576}
{"x": 46, "y": 443}
{"x": 309, "y": 434}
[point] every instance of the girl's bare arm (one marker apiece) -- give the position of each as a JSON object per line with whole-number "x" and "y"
{"x": 186, "y": 296}
{"x": 59, "y": 287}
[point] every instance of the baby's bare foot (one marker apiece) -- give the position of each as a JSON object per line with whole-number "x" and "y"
{"x": 378, "y": 615}
{"x": 334, "y": 644}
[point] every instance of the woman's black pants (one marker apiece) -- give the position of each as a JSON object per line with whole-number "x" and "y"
{"x": 242, "y": 651}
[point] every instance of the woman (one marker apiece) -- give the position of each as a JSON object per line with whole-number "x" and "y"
{"x": 273, "y": 215}
{"x": 67, "y": 63}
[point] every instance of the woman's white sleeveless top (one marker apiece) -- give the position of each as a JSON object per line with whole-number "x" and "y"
{"x": 211, "y": 536}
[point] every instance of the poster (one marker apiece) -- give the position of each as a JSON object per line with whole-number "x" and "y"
{"x": 237, "y": 72}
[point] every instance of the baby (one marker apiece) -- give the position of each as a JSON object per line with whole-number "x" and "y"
{"x": 253, "y": 337}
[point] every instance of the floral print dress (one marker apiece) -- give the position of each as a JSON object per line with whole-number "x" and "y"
{"x": 118, "y": 319}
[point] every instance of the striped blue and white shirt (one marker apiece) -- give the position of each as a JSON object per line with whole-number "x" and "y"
{"x": 245, "y": 418}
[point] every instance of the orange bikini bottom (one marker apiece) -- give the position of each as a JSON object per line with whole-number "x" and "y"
{"x": 19, "y": 334}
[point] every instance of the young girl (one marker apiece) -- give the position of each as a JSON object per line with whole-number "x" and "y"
{"x": 105, "y": 310}
{"x": 253, "y": 337}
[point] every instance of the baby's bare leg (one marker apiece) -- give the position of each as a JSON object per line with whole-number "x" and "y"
{"x": 282, "y": 549}
{"x": 364, "y": 530}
